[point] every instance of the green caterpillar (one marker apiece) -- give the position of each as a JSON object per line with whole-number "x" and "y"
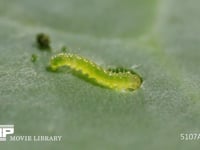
{"x": 118, "y": 79}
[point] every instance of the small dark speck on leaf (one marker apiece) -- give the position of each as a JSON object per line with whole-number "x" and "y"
{"x": 33, "y": 58}
{"x": 64, "y": 49}
{"x": 43, "y": 41}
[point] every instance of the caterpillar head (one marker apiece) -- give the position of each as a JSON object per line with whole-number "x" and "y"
{"x": 135, "y": 83}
